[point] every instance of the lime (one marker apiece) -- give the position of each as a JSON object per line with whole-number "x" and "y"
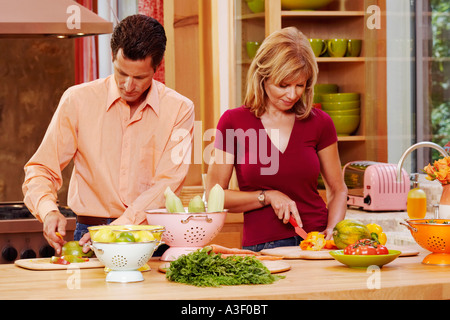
{"x": 125, "y": 237}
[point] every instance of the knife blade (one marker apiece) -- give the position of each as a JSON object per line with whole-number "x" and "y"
{"x": 299, "y": 230}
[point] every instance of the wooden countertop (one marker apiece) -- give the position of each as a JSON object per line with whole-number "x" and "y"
{"x": 404, "y": 278}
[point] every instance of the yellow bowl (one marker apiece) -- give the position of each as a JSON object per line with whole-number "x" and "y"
{"x": 345, "y": 125}
{"x": 304, "y": 4}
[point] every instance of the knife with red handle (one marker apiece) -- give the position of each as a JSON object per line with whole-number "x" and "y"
{"x": 299, "y": 230}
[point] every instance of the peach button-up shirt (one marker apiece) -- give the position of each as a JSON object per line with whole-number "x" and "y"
{"x": 121, "y": 166}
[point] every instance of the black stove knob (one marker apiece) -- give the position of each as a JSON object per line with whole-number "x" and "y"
{"x": 28, "y": 254}
{"x": 46, "y": 251}
{"x": 9, "y": 253}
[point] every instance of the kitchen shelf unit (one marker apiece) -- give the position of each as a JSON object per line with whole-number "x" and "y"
{"x": 365, "y": 74}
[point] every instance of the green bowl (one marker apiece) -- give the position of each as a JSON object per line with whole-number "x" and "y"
{"x": 255, "y": 6}
{"x": 322, "y": 88}
{"x": 340, "y": 97}
{"x": 349, "y": 112}
{"x": 304, "y": 4}
{"x": 364, "y": 261}
{"x": 344, "y": 105}
{"x": 345, "y": 125}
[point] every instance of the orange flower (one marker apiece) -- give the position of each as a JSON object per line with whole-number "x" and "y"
{"x": 440, "y": 170}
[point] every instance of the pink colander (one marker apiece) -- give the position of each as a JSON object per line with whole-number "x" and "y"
{"x": 186, "y": 232}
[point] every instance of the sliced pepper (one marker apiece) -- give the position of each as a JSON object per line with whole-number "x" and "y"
{"x": 314, "y": 241}
{"x": 58, "y": 260}
{"x": 329, "y": 244}
{"x": 376, "y": 232}
{"x": 74, "y": 259}
{"x": 67, "y": 259}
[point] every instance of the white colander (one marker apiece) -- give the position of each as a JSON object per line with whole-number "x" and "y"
{"x": 186, "y": 232}
{"x": 125, "y": 258}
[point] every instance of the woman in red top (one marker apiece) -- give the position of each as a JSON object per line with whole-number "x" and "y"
{"x": 278, "y": 145}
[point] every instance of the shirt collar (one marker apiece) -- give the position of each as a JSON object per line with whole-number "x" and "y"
{"x": 152, "y": 99}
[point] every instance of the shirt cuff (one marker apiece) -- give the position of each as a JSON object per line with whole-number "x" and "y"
{"x": 44, "y": 208}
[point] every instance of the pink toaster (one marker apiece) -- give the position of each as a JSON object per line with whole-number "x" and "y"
{"x": 373, "y": 186}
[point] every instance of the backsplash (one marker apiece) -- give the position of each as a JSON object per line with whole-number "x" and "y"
{"x": 34, "y": 74}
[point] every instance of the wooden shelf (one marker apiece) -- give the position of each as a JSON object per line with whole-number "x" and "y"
{"x": 351, "y": 138}
{"x": 361, "y": 74}
{"x": 248, "y": 16}
{"x": 343, "y": 59}
{"x": 321, "y": 14}
{"x": 321, "y": 59}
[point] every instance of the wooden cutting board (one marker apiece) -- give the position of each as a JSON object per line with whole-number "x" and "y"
{"x": 44, "y": 264}
{"x": 296, "y": 253}
{"x": 274, "y": 266}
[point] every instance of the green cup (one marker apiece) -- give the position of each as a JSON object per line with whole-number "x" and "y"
{"x": 318, "y": 46}
{"x": 252, "y": 47}
{"x": 353, "y": 48}
{"x": 337, "y": 47}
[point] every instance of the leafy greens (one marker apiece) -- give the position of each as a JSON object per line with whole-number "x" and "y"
{"x": 203, "y": 268}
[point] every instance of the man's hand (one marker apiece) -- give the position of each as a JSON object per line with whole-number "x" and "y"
{"x": 55, "y": 222}
{"x": 85, "y": 241}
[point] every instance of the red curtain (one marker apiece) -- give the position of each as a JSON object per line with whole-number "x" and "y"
{"x": 154, "y": 9}
{"x": 86, "y": 66}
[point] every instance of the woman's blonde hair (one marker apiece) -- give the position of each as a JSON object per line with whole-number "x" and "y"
{"x": 284, "y": 56}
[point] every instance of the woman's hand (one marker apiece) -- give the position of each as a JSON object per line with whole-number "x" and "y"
{"x": 328, "y": 233}
{"x": 283, "y": 206}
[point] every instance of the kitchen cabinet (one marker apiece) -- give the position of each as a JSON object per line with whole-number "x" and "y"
{"x": 365, "y": 74}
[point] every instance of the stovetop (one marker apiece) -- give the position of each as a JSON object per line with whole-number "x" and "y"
{"x": 18, "y": 211}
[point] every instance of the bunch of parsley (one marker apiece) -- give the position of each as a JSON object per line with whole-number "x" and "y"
{"x": 203, "y": 268}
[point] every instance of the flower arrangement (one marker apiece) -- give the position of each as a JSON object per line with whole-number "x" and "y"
{"x": 440, "y": 170}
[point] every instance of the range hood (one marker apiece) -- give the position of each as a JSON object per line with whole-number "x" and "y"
{"x": 49, "y": 18}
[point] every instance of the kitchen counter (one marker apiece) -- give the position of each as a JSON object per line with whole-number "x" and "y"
{"x": 404, "y": 278}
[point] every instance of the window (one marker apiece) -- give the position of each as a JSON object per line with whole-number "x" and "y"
{"x": 432, "y": 34}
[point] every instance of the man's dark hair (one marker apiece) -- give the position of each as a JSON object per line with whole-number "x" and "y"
{"x": 139, "y": 36}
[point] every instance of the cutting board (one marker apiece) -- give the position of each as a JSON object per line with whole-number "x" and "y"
{"x": 296, "y": 253}
{"x": 274, "y": 266}
{"x": 44, "y": 264}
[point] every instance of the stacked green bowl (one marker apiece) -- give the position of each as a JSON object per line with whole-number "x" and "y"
{"x": 344, "y": 109}
{"x": 323, "y": 88}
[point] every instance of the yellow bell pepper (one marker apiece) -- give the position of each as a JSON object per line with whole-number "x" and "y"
{"x": 314, "y": 241}
{"x": 377, "y": 233}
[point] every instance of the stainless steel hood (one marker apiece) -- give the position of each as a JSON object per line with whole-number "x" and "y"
{"x": 49, "y": 18}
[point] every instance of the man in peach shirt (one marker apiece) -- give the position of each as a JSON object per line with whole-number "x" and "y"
{"x": 120, "y": 132}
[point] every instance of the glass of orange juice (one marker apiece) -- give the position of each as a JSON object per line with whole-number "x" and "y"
{"x": 416, "y": 205}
